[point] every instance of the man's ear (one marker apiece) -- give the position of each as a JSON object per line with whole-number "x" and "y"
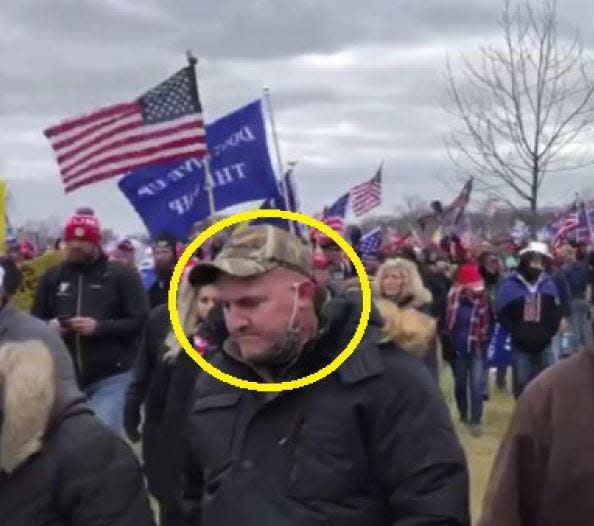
{"x": 307, "y": 290}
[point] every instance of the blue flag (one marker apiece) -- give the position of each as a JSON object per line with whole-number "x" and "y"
{"x": 172, "y": 197}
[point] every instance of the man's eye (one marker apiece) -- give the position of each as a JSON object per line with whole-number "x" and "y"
{"x": 249, "y": 302}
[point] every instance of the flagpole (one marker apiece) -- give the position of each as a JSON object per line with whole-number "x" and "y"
{"x": 209, "y": 184}
{"x": 268, "y": 99}
{"x": 589, "y": 223}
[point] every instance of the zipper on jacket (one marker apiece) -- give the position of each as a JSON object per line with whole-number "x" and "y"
{"x": 77, "y": 336}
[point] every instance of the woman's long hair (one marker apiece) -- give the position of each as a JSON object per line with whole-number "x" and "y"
{"x": 187, "y": 307}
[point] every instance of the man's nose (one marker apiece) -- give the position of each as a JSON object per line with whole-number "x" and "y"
{"x": 235, "y": 320}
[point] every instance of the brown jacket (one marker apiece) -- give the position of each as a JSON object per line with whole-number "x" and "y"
{"x": 544, "y": 472}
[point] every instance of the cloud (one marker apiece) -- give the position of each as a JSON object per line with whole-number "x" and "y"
{"x": 351, "y": 84}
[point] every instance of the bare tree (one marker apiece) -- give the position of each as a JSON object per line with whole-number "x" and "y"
{"x": 525, "y": 107}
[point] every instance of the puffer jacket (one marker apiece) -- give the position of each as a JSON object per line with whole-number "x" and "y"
{"x": 59, "y": 466}
{"x": 369, "y": 445}
{"x": 111, "y": 293}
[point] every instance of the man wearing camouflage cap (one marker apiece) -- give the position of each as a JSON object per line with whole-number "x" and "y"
{"x": 372, "y": 444}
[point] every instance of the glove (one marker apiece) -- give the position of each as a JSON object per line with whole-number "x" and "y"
{"x": 132, "y": 422}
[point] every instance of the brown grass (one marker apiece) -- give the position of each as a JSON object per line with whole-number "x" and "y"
{"x": 481, "y": 451}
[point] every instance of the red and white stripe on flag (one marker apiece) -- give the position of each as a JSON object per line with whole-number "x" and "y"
{"x": 117, "y": 139}
{"x": 367, "y": 196}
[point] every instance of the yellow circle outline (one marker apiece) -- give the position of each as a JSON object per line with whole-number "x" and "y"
{"x": 250, "y": 215}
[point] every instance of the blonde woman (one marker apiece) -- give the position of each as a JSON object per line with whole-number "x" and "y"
{"x": 163, "y": 381}
{"x": 399, "y": 281}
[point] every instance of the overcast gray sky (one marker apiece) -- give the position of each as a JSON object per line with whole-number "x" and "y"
{"x": 352, "y": 83}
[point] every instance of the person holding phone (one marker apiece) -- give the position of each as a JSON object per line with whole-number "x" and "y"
{"x": 98, "y": 307}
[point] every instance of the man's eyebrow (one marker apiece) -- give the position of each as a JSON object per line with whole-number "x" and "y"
{"x": 245, "y": 298}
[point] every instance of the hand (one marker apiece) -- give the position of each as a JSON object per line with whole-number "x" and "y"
{"x": 82, "y": 325}
{"x": 56, "y": 326}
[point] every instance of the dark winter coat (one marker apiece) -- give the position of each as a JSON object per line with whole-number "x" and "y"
{"x": 59, "y": 466}
{"x": 111, "y": 293}
{"x": 158, "y": 291}
{"x": 164, "y": 389}
{"x": 529, "y": 313}
{"x": 578, "y": 275}
{"x": 564, "y": 294}
{"x": 372, "y": 444}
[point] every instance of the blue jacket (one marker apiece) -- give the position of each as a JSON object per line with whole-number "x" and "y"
{"x": 530, "y": 313}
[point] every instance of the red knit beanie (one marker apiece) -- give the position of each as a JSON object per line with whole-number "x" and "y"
{"x": 83, "y": 227}
{"x": 470, "y": 277}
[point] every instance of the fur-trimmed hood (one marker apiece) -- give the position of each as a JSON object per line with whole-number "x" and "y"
{"x": 410, "y": 329}
{"x": 28, "y": 380}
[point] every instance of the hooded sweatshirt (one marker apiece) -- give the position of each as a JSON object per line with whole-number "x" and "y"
{"x": 530, "y": 313}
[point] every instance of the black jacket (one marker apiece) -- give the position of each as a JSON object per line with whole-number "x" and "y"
{"x": 164, "y": 389}
{"x": 158, "y": 291}
{"x": 107, "y": 291}
{"x": 70, "y": 472}
{"x": 370, "y": 445}
{"x": 161, "y": 388}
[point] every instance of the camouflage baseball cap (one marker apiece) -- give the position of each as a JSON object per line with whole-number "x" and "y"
{"x": 255, "y": 250}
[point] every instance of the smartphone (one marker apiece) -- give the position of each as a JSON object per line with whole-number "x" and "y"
{"x": 65, "y": 321}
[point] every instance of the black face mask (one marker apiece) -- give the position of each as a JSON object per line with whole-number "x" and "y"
{"x": 531, "y": 274}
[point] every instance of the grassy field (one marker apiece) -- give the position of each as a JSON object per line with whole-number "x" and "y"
{"x": 480, "y": 451}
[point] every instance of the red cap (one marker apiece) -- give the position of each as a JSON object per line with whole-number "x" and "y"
{"x": 83, "y": 227}
{"x": 469, "y": 276}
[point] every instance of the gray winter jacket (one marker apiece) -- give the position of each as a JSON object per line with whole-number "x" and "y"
{"x": 16, "y": 325}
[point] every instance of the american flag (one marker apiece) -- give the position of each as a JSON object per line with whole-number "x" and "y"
{"x": 371, "y": 242}
{"x": 338, "y": 209}
{"x": 162, "y": 125}
{"x": 565, "y": 225}
{"x": 368, "y": 195}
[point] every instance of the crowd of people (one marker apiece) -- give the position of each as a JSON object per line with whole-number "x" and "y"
{"x": 96, "y": 364}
